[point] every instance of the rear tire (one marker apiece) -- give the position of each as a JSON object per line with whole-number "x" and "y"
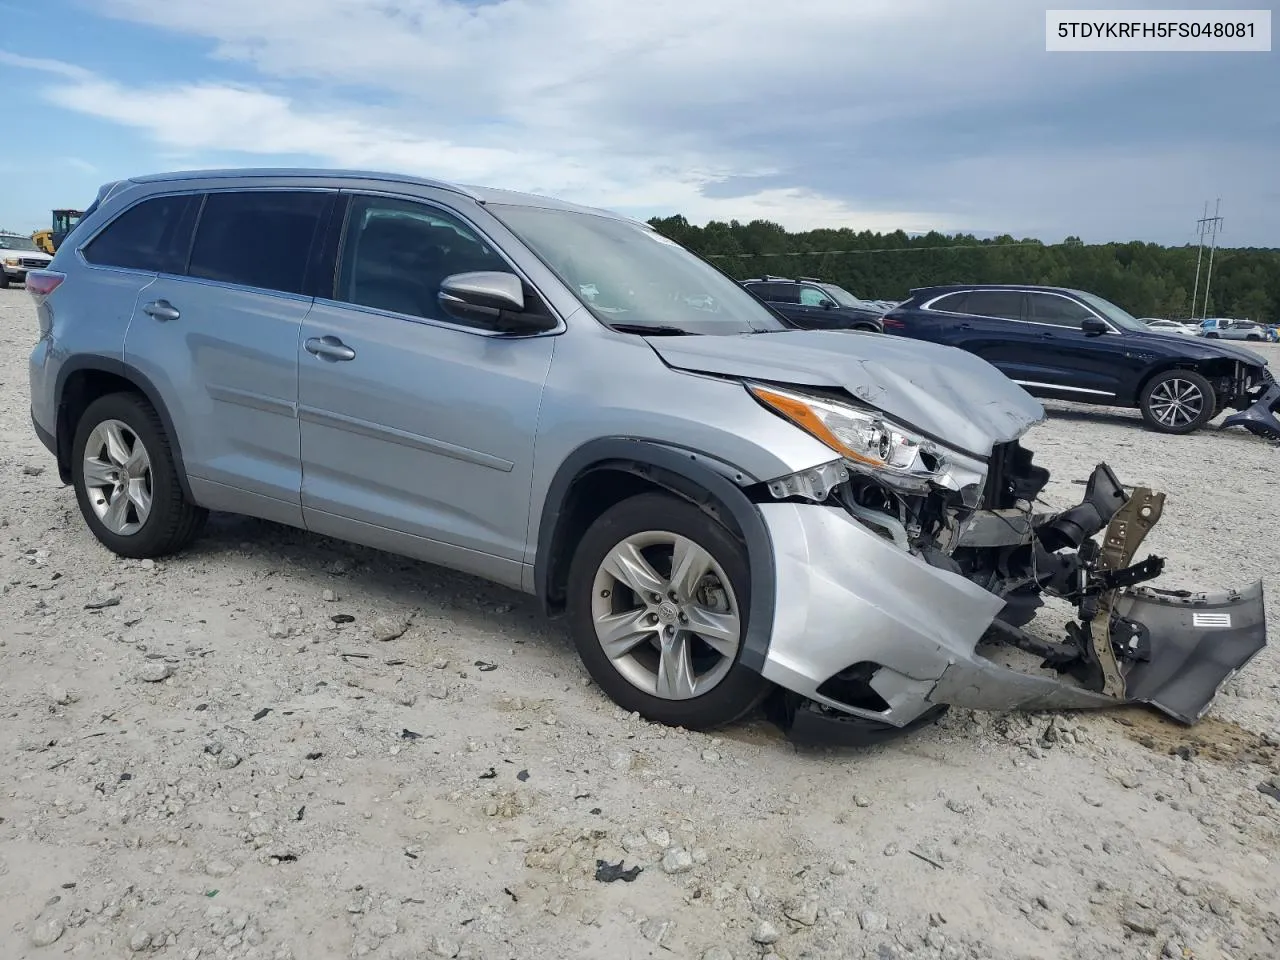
{"x": 1178, "y": 402}
{"x": 659, "y": 665}
{"x": 126, "y": 480}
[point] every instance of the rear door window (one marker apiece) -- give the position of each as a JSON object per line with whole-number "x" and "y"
{"x": 783, "y": 293}
{"x": 259, "y": 238}
{"x": 999, "y": 304}
{"x": 154, "y": 235}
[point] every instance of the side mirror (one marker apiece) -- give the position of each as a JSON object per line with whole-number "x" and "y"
{"x": 828, "y": 304}
{"x": 1093, "y": 327}
{"x": 493, "y": 299}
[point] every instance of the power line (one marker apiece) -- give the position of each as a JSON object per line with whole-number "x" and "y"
{"x": 833, "y": 253}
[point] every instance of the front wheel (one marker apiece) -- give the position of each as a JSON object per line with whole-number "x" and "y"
{"x": 126, "y": 480}
{"x": 1178, "y": 401}
{"x": 658, "y": 597}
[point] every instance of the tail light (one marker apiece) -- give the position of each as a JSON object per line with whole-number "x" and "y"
{"x": 41, "y": 283}
{"x": 893, "y": 323}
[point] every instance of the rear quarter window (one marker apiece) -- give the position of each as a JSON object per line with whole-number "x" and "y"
{"x": 952, "y": 303}
{"x": 154, "y": 235}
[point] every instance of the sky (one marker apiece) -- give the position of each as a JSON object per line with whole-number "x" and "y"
{"x": 917, "y": 115}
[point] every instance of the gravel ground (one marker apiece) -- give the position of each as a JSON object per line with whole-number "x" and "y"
{"x": 205, "y": 761}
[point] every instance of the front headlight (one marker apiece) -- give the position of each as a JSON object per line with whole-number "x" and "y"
{"x": 872, "y": 443}
{"x": 11, "y": 261}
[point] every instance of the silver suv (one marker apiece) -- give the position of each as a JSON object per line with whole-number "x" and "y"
{"x": 561, "y": 400}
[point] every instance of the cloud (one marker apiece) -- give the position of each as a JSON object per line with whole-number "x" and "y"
{"x": 84, "y": 166}
{"x": 191, "y": 119}
{"x": 878, "y": 114}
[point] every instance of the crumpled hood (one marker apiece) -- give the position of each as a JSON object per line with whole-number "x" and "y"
{"x": 954, "y": 396}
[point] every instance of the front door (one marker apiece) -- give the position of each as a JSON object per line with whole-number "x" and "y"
{"x": 417, "y": 430}
{"x": 1083, "y": 366}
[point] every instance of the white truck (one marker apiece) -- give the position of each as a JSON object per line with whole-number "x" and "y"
{"x": 19, "y": 254}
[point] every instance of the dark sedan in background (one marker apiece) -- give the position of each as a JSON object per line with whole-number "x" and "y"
{"x": 1064, "y": 344}
{"x": 816, "y": 305}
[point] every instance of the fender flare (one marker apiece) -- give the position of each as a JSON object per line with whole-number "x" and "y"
{"x": 81, "y": 362}
{"x": 692, "y": 476}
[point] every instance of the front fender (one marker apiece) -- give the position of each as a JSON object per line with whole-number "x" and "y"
{"x": 694, "y": 476}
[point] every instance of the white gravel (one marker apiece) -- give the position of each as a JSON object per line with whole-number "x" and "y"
{"x": 212, "y": 767}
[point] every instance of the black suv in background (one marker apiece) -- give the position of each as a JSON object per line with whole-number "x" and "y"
{"x": 1063, "y": 344}
{"x": 816, "y": 305}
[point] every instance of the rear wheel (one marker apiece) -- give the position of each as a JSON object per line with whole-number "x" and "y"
{"x": 658, "y": 597}
{"x": 1178, "y": 401}
{"x": 126, "y": 481}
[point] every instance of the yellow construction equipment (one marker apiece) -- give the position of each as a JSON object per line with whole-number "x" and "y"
{"x": 63, "y": 221}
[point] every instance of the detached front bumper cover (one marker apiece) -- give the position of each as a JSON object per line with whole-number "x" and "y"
{"x": 1260, "y": 417}
{"x": 848, "y": 601}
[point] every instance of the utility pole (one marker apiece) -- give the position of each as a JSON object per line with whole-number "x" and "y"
{"x": 1212, "y": 225}
{"x": 1200, "y": 225}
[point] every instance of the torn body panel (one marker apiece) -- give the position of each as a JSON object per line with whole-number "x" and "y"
{"x": 881, "y": 606}
{"x": 1260, "y": 417}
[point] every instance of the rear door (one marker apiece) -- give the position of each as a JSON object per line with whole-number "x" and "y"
{"x": 783, "y": 297}
{"x": 221, "y": 345}
{"x": 983, "y": 322}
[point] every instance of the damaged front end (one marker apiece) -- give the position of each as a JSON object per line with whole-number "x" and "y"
{"x": 1259, "y": 404}
{"x": 889, "y": 581}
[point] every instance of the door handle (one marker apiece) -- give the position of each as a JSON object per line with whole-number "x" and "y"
{"x": 161, "y": 310}
{"x": 329, "y": 348}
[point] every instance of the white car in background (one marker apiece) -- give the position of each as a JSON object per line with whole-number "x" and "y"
{"x": 17, "y": 256}
{"x": 1169, "y": 326}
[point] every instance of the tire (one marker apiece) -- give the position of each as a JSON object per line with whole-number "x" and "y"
{"x": 1178, "y": 401}
{"x": 1254, "y": 337}
{"x": 648, "y": 527}
{"x": 110, "y": 427}
{"x": 1212, "y": 336}
{"x": 4, "y": 280}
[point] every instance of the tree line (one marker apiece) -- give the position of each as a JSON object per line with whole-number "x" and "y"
{"x": 1147, "y": 279}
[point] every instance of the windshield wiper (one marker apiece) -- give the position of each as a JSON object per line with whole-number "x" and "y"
{"x": 656, "y": 329}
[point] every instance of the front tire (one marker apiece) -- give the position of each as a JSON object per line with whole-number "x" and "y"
{"x": 1178, "y": 402}
{"x": 126, "y": 480}
{"x": 658, "y": 598}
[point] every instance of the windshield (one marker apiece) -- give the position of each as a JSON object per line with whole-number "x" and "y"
{"x": 1121, "y": 318}
{"x": 845, "y": 298}
{"x": 626, "y": 273}
{"x": 17, "y": 243}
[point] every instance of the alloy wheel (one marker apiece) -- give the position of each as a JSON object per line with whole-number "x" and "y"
{"x": 1176, "y": 402}
{"x": 117, "y": 477}
{"x": 665, "y": 615}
